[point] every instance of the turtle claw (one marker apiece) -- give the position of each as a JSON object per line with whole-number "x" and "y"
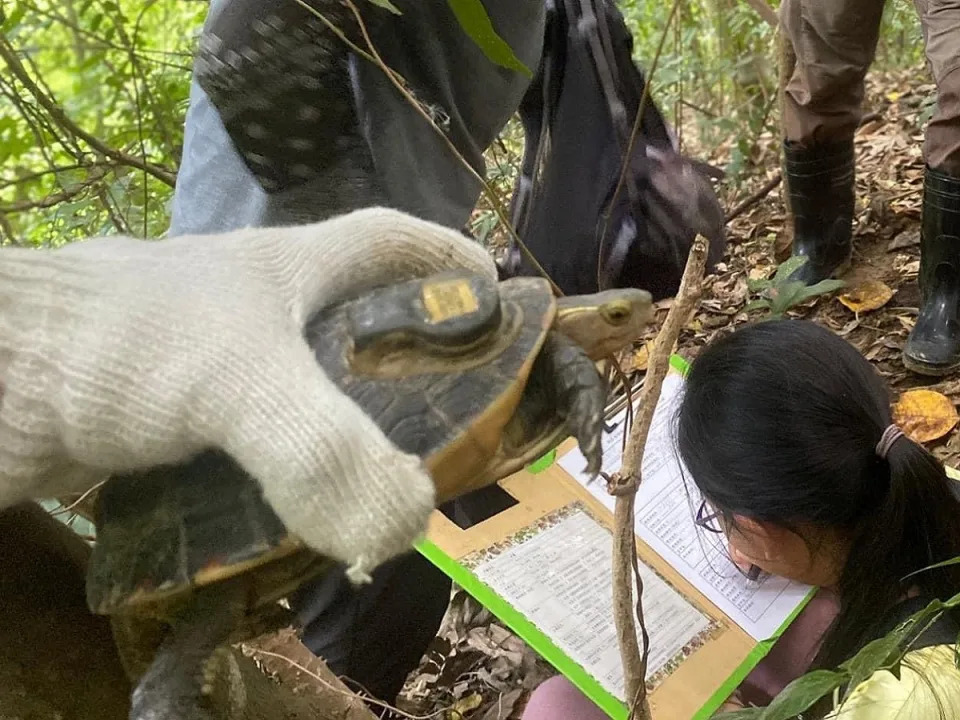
{"x": 585, "y": 421}
{"x": 580, "y": 396}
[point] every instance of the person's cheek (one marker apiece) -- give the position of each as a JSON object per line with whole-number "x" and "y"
{"x": 741, "y": 560}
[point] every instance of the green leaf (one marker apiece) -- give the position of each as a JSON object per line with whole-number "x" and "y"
{"x": 945, "y": 563}
{"x": 802, "y": 693}
{"x": 14, "y": 18}
{"x": 476, "y": 23}
{"x": 821, "y": 288}
{"x": 788, "y": 267}
{"x": 787, "y": 295}
{"x": 872, "y": 657}
{"x": 756, "y": 304}
{"x": 387, "y": 5}
{"x": 757, "y": 284}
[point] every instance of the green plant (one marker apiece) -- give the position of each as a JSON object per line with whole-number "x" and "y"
{"x": 884, "y": 653}
{"x": 779, "y": 293}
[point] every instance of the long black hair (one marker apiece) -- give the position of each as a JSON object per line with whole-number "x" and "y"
{"x": 779, "y": 422}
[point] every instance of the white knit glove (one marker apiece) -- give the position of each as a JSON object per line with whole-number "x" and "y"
{"x": 119, "y": 354}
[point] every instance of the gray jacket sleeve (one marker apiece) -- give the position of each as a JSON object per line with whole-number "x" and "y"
{"x": 289, "y": 127}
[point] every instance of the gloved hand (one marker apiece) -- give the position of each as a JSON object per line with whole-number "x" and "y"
{"x": 119, "y": 354}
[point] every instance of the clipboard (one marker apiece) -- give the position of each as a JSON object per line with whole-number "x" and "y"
{"x": 551, "y": 504}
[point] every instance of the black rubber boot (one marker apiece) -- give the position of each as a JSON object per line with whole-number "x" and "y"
{"x": 819, "y": 183}
{"x": 933, "y": 347}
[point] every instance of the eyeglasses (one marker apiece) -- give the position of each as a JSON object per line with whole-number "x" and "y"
{"x": 711, "y": 522}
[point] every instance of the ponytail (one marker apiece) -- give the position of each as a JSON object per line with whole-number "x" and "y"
{"x": 915, "y": 524}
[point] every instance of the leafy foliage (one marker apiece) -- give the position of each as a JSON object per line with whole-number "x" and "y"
{"x": 780, "y": 293}
{"x": 93, "y": 99}
{"x": 885, "y": 653}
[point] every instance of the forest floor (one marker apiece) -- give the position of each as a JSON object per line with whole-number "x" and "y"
{"x": 478, "y": 669}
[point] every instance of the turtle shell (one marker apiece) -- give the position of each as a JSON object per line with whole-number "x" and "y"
{"x": 439, "y": 363}
{"x": 425, "y": 360}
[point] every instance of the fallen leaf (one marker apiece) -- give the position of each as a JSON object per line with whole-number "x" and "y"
{"x": 464, "y": 705}
{"x": 911, "y": 268}
{"x": 504, "y": 705}
{"x": 925, "y": 415}
{"x": 906, "y": 322}
{"x": 868, "y": 295}
{"x": 869, "y": 128}
{"x": 641, "y": 356}
{"x": 905, "y": 239}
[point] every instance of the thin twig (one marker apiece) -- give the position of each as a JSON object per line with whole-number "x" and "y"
{"x": 347, "y": 693}
{"x": 766, "y": 12}
{"x": 54, "y": 198}
{"x": 625, "y": 486}
{"x": 9, "y": 56}
{"x": 7, "y": 182}
{"x": 87, "y": 493}
{"x": 401, "y": 84}
{"x": 756, "y": 197}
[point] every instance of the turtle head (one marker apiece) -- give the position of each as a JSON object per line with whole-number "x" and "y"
{"x": 604, "y": 322}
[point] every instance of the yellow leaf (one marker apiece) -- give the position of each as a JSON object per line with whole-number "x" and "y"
{"x": 464, "y": 705}
{"x": 925, "y": 415}
{"x": 893, "y": 96}
{"x": 868, "y": 295}
{"x": 641, "y": 357}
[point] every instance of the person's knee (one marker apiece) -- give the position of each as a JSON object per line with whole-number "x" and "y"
{"x": 829, "y": 47}
{"x": 942, "y": 142}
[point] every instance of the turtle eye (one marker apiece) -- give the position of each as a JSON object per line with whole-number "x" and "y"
{"x": 615, "y": 313}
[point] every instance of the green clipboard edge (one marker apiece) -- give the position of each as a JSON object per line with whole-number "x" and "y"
{"x": 567, "y": 667}
{"x": 529, "y": 632}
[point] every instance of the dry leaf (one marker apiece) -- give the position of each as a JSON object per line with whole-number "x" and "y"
{"x": 641, "y": 356}
{"x": 503, "y": 707}
{"x": 464, "y": 705}
{"x": 905, "y": 239}
{"x": 925, "y": 415}
{"x": 868, "y": 295}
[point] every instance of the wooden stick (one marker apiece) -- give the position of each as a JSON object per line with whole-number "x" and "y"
{"x": 625, "y": 484}
{"x": 766, "y": 12}
{"x": 756, "y": 197}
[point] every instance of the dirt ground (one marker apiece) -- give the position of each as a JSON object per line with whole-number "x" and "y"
{"x": 479, "y": 670}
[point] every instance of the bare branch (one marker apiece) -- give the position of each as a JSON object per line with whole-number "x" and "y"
{"x": 9, "y": 56}
{"x": 766, "y": 12}
{"x": 54, "y": 198}
{"x": 625, "y": 486}
{"x": 756, "y": 197}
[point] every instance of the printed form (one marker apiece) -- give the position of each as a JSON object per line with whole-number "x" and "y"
{"x": 560, "y": 578}
{"x": 665, "y": 509}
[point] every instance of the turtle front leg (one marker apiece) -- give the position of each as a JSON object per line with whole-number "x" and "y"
{"x": 175, "y": 685}
{"x": 580, "y": 394}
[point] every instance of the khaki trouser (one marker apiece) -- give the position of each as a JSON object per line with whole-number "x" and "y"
{"x": 828, "y": 45}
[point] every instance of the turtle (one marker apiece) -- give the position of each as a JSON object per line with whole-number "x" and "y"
{"x": 477, "y": 377}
